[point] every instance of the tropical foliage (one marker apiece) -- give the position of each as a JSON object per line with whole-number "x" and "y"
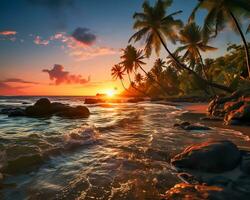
{"x": 184, "y": 71}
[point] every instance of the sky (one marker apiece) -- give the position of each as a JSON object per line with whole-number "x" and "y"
{"x": 67, "y": 47}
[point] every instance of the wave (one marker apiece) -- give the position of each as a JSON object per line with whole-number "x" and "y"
{"x": 33, "y": 150}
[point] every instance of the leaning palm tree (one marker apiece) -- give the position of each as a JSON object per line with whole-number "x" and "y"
{"x": 118, "y": 73}
{"x": 221, "y": 12}
{"x": 154, "y": 27}
{"x": 191, "y": 38}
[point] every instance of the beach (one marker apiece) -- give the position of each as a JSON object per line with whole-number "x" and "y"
{"x": 122, "y": 151}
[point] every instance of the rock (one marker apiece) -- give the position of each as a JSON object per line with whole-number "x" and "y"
{"x": 185, "y": 124}
{"x": 215, "y": 119}
{"x": 93, "y": 101}
{"x": 245, "y": 164}
{"x": 75, "y": 112}
{"x": 188, "y": 126}
{"x": 1, "y": 177}
{"x": 219, "y": 181}
{"x": 43, "y": 102}
{"x": 185, "y": 191}
{"x": 210, "y": 156}
{"x": 17, "y": 112}
{"x": 196, "y": 128}
{"x": 25, "y": 103}
{"x": 58, "y": 107}
{"x": 23, "y": 163}
{"x": 239, "y": 116}
{"x": 38, "y": 111}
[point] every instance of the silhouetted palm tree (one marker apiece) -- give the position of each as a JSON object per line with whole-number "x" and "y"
{"x": 139, "y": 79}
{"x": 191, "y": 38}
{"x": 132, "y": 59}
{"x": 118, "y": 73}
{"x": 157, "y": 69}
{"x": 221, "y": 12}
{"x": 154, "y": 27}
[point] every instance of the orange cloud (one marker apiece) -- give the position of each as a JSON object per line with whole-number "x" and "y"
{"x": 8, "y": 33}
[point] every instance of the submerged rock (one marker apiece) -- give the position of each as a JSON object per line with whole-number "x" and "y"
{"x": 188, "y": 126}
{"x": 16, "y": 112}
{"x": 93, "y": 101}
{"x": 210, "y": 156}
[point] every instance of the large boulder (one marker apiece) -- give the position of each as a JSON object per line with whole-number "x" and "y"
{"x": 210, "y": 156}
{"x": 75, "y": 112}
{"x": 42, "y": 108}
{"x": 43, "y": 102}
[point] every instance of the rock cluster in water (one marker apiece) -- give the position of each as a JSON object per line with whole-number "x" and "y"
{"x": 189, "y": 126}
{"x": 235, "y": 110}
{"x": 44, "y": 108}
{"x": 211, "y": 170}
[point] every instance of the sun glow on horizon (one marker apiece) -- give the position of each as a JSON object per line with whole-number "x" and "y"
{"x": 110, "y": 93}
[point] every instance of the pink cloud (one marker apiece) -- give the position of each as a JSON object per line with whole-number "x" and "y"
{"x": 39, "y": 41}
{"x": 8, "y": 33}
{"x": 60, "y": 76}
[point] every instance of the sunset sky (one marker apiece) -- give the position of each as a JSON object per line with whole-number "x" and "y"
{"x": 67, "y": 47}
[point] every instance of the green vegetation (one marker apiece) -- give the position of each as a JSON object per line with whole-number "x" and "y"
{"x": 184, "y": 72}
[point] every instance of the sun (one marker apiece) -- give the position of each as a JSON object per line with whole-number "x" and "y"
{"x": 110, "y": 93}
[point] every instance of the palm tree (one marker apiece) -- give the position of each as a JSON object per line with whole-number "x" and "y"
{"x": 118, "y": 73}
{"x": 157, "y": 69}
{"x": 221, "y": 12}
{"x": 248, "y": 29}
{"x": 154, "y": 27}
{"x": 191, "y": 38}
{"x": 132, "y": 59}
{"x": 139, "y": 79}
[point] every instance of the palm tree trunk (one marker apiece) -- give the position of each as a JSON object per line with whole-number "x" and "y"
{"x": 244, "y": 41}
{"x": 124, "y": 86}
{"x": 222, "y": 87}
{"x": 203, "y": 69}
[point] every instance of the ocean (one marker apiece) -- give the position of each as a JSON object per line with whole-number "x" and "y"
{"x": 121, "y": 151}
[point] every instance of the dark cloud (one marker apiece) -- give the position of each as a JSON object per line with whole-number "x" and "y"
{"x": 18, "y": 80}
{"x": 59, "y": 76}
{"x": 52, "y": 4}
{"x": 84, "y": 36}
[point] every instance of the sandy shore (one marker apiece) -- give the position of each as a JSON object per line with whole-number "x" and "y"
{"x": 197, "y": 111}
